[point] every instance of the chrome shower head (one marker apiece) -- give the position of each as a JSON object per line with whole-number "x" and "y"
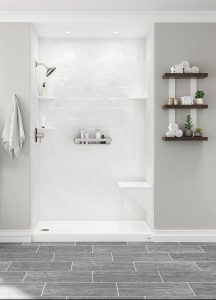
{"x": 50, "y": 70}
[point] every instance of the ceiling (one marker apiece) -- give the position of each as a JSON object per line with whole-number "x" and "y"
{"x": 101, "y": 18}
{"x": 108, "y": 5}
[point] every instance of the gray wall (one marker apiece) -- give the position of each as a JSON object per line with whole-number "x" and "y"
{"x": 15, "y": 78}
{"x": 185, "y": 182}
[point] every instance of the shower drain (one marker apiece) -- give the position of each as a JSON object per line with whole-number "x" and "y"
{"x": 44, "y": 229}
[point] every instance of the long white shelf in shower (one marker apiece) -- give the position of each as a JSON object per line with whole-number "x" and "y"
{"x": 134, "y": 184}
{"x": 142, "y": 98}
{"x": 92, "y": 141}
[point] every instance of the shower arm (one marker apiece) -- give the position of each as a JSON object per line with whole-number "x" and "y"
{"x": 40, "y": 64}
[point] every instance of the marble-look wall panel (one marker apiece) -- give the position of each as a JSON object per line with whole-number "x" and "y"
{"x": 93, "y": 82}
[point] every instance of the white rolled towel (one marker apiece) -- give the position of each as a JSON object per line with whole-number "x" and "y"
{"x": 185, "y": 63}
{"x": 179, "y": 133}
{"x": 170, "y": 133}
{"x": 173, "y": 127}
{"x": 195, "y": 69}
{"x": 187, "y": 70}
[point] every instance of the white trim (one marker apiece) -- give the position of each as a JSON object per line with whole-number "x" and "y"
{"x": 185, "y": 235}
{"x": 15, "y": 236}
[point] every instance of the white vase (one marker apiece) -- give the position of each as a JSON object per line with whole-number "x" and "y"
{"x": 199, "y": 100}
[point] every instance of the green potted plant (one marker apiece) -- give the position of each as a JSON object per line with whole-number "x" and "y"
{"x": 188, "y": 126}
{"x": 198, "y": 132}
{"x": 199, "y": 97}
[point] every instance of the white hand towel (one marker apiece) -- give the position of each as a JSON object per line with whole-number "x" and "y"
{"x": 179, "y": 133}
{"x": 170, "y": 133}
{"x": 13, "y": 134}
{"x": 173, "y": 127}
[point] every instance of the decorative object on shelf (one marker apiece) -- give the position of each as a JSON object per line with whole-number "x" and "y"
{"x": 103, "y": 137}
{"x": 199, "y": 97}
{"x": 176, "y": 101}
{"x": 170, "y": 101}
{"x": 198, "y": 132}
{"x": 174, "y": 131}
{"x": 43, "y": 122}
{"x": 184, "y": 67}
{"x": 187, "y": 100}
{"x": 98, "y": 134}
{"x": 188, "y": 126}
{"x": 93, "y": 141}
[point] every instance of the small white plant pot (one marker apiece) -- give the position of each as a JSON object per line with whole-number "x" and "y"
{"x": 199, "y": 101}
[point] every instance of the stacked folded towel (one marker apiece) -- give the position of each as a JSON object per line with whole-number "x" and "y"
{"x": 187, "y": 100}
{"x": 174, "y": 131}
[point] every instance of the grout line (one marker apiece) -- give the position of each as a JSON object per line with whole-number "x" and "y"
{"x": 37, "y": 249}
{"x": 111, "y": 256}
{"x": 75, "y": 243}
{"x": 170, "y": 256}
{"x": 71, "y": 265}
{"x": 43, "y": 289}
{"x": 8, "y": 266}
{"x": 24, "y": 276}
{"x": 197, "y": 266}
{"x": 160, "y": 276}
{"x": 127, "y": 243}
{"x": 179, "y": 244}
{"x": 92, "y": 249}
{"x": 147, "y": 249}
{"x": 191, "y": 289}
{"x": 53, "y": 256}
{"x": 117, "y": 289}
{"x": 92, "y": 276}
{"x": 23, "y": 244}
{"x": 134, "y": 266}
{"x": 202, "y": 249}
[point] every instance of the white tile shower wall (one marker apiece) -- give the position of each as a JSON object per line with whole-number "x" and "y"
{"x": 93, "y": 82}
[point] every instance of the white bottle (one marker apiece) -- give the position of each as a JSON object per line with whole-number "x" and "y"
{"x": 98, "y": 135}
{"x": 44, "y": 91}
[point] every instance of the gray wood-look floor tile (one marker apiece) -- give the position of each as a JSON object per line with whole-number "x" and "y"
{"x": 109, "y": 297}
{"x": 65, "y": 256}
{"x": 10, "y": 244}
{"x": 207, "y": 265}
{"x": 102, "y": 243}
{"x": 174, "y": 248}
{"x": 80, "y": 289}
{"x": 165, "y": 266}
{"x": 4, "y": 265}
{"x": 160, "y": 256}
{"x": 66, "y": 249}
{"x": 101, "y": 276}
{"x": 40, "y": 266}
{"x": 11, "y": 276}
{"x": 64, "y": 276}
{"x": 103, "y": 266}
{"x": 152, "y": 243}
{"x": 155, "y": 290}
{"x": 25, "y": 256}
{"x": 10, "y": 248}
{"x": 204, "y": 289}
{"x": 193, "y": 256}
{"x": 209, "y": 248}
{"x": 20, "y": 290}
{"x": 188, "y": 276}
{"x": 128, "y": 250}
{"x": 52, "y": 244}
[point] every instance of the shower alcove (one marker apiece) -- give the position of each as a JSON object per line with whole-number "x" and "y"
{"x": 93, "y": 192}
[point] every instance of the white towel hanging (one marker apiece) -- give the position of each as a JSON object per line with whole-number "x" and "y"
{"x": 13, "y": 134}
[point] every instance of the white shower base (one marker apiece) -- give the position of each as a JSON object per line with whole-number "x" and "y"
{"x": 102, "y": 231}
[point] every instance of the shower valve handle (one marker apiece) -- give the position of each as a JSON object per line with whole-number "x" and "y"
{"x": 38, "y": 135}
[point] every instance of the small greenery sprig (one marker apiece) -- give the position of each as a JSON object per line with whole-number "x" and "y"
{"x": 188, "y": 125}
{"x": 199, "y": 130}
{"x": 199, "y": 94}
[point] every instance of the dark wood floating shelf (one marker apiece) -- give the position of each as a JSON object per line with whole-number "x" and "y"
{"x": 182, "y": 106}
{"x": 184, "y": 75}
{"x": 185, "y": 138}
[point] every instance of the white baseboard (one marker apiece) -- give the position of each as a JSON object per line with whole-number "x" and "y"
{"x": 185, "y": 235}
{"x": 15, "y": 236}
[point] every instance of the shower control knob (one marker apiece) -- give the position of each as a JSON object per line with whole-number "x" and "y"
{"x": 38, "y": 135}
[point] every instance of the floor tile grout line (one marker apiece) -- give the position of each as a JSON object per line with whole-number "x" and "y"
{"x": 202, "y": 249}
{"x": 179, "y": 244}
{"x": 37, "y": 249}
{"x": 92, "y": 276}
{"x": 160, "y": 276}
{"x": 92, "y": 249}
{"x": 134, "y": 266}
{"x": 117, "y": 289}
{"x": 43, "y": 289}
{"x": 191, "y": 289}
{"x": 53, "y": 257}
{"x": 24, "y": 276}
{"x": 147, "y": 249}
{"x": 8, "y": 266}
{"x": 111, "y": 256}
{"x": 71, "y": 265}
{"x": 197, "y": 266}
{"x": 170, "y": 256}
